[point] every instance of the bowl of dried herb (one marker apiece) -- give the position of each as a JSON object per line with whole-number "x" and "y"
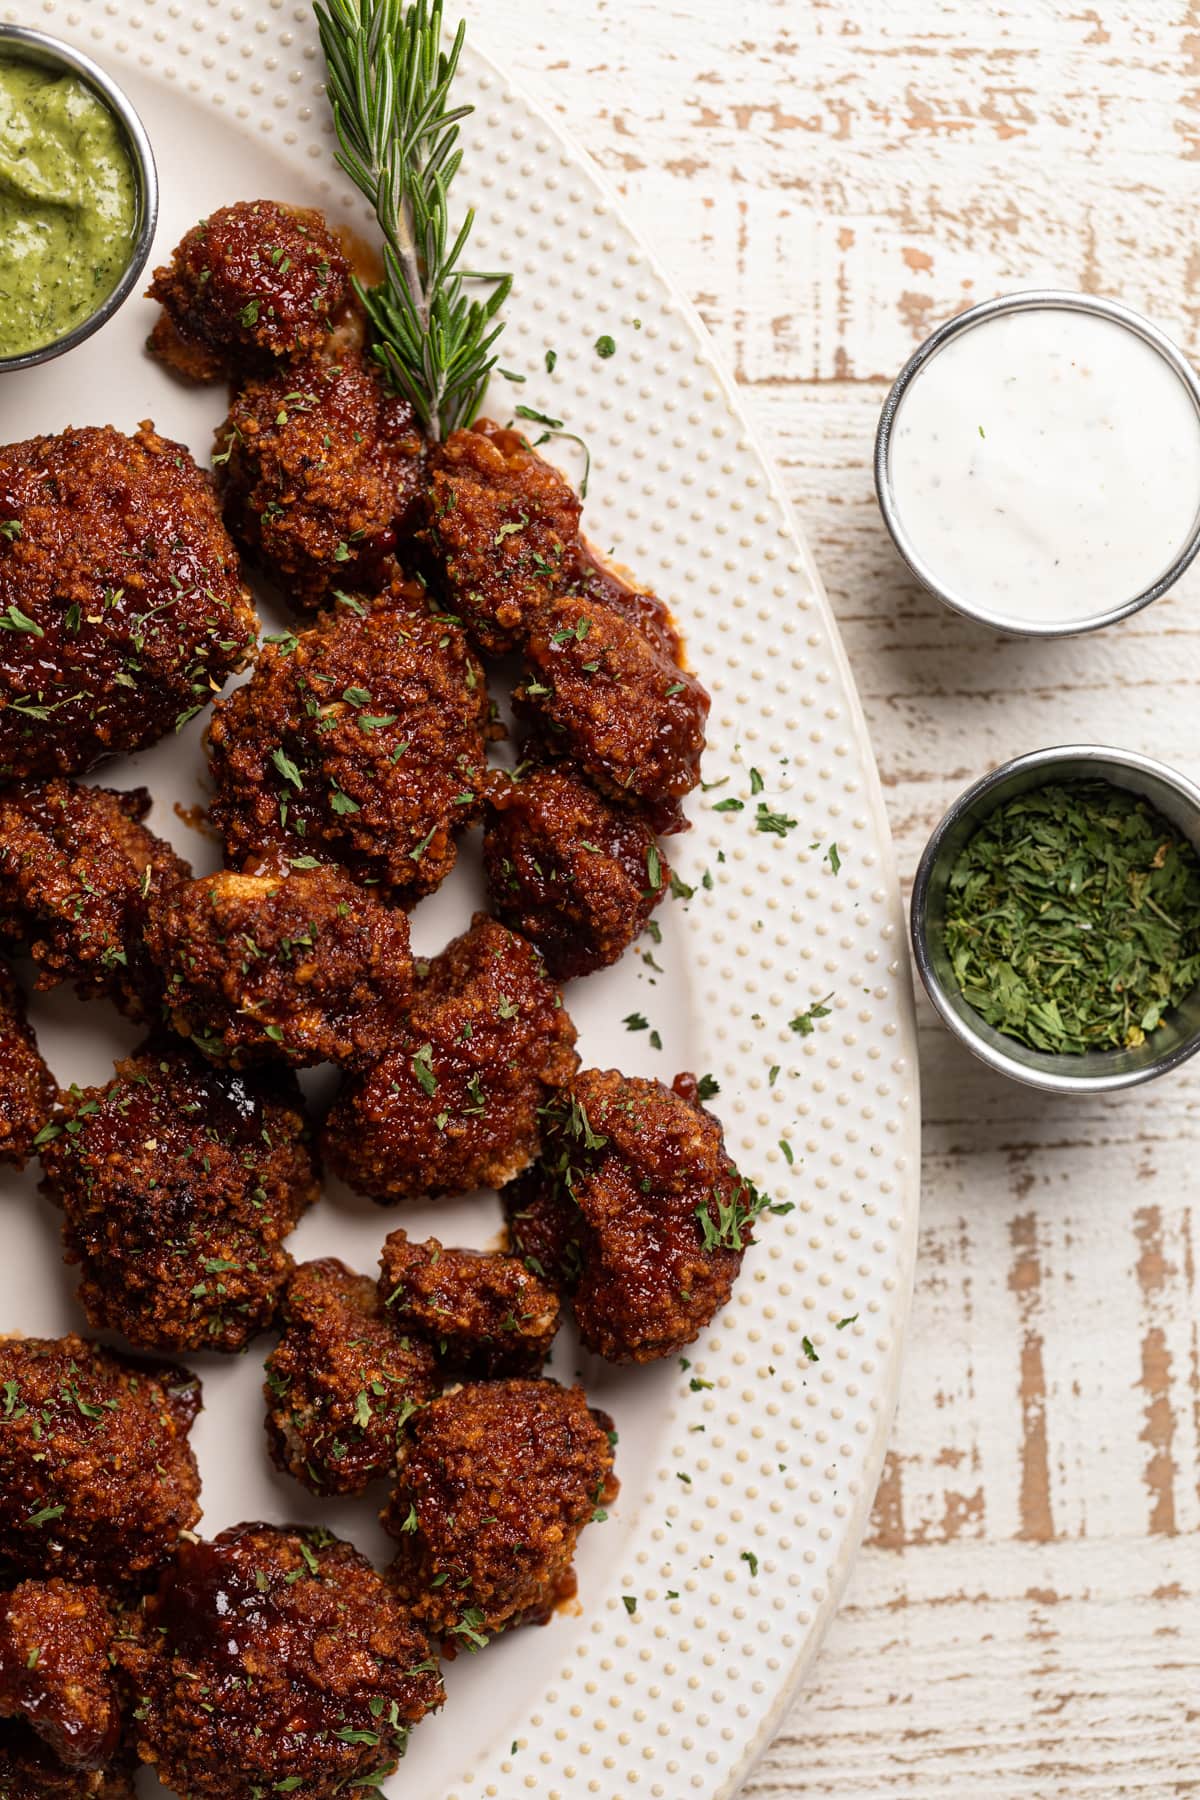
{"x": 1056, "y": 918}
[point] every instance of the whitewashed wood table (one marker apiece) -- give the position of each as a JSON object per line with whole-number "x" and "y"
{"x": 828, "y": 179}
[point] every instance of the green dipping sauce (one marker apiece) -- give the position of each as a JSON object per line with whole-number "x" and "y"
{"x": 68, "y": 204}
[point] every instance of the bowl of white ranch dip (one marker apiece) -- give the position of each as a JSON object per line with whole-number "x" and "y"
{"x": 1038, "y": 463}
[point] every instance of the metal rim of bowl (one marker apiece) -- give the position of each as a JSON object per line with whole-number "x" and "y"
{"x": 1031, "y": 300}
{"x": 42, "y": 47}
{"x": 1048, "y": 1080}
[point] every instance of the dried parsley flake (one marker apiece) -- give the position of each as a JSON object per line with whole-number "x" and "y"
{"x": 1072, "y": 918}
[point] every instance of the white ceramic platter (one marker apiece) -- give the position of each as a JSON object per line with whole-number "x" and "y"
{"x": 743, "y": 1499}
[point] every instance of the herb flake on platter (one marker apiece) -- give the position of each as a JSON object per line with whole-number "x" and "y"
{"x": 804, "y": 1024}
{"x": 1072, "y": 918}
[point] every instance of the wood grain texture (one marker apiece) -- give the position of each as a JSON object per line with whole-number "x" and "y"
{"x": 828, "y": 179}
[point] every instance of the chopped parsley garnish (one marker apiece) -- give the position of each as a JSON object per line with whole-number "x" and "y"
{"x": 804, "y": 1024}
{"x": 734, "y": 1217}
{"x": 287, "y": 767}
{"x": 778, "y": 823}
{"x": 422, "y": 1068}
{"x": 418, "y": 850}
{"x": 555, "y": 428}
{"x": 468, "y": 1628}
{"x": 539, "y": 418}
{"x": 45, "y": 1515}
{"x": 13, "y": 619}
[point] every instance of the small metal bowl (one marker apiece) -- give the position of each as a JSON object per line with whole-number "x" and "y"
{"x": 1099, "y": 1071}
{"x": 1031, "y": 300}
{"x": 51, "y": 52}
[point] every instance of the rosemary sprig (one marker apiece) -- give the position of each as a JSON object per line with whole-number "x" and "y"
{"x": 389, "y": 85}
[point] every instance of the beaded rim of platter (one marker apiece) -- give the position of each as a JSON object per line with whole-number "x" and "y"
{"x": 736, "y": 1549}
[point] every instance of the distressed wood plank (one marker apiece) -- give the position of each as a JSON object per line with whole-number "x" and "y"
{"x": 828, "y": 180}
{"x": 997, "y": 1671}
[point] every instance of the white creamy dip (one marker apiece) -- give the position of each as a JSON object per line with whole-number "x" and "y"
{"x": 1045, "y": 466}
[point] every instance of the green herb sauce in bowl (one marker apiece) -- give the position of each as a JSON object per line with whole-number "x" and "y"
{"x": 68, "y": 203}
{"x": 78, "y": 196}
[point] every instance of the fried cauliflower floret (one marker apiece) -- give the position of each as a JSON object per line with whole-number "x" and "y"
{"x": 636, "y": 1211}
{"x": 97, "y": 1478}
{"x": 253, "y": 282}
{"x": 320, "y": 471}
{"x": 496, "y": 1483}
{"x": 607, "y": 697}
{"x": 275, "y": 1661}
{"x": 179, "y": 1183}
{"x": 486, "y": 1315}
{"x": 341, "y": 1382}
{"x": 454, "y": 1105}
{"x": 287, "y": 963}
{"x": 607, "y": 584}
{"x": 122, "y": 593}
{"x": 29, "y": 1770}
{"x": 79, "y": 876}
{"x": 504, "y": 529}
{"x": 55, "y": 1669}
{"x": 360, "y": 739}
{"x": 572, "y": 872}
{"x": 28, "y": 1091}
